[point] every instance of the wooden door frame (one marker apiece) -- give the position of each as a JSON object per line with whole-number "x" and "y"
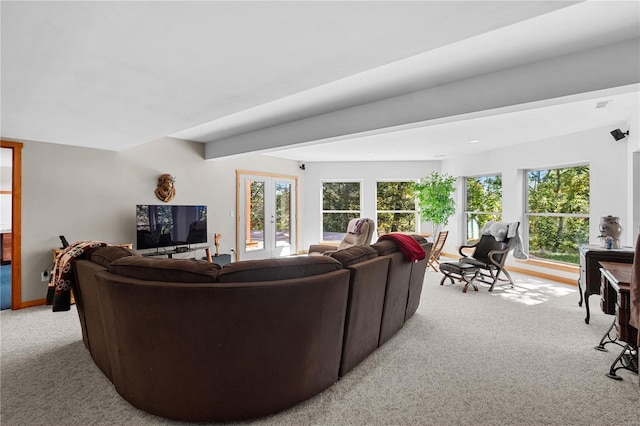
{"x": 16, "y": 222}
{"x": 239, "y": 174}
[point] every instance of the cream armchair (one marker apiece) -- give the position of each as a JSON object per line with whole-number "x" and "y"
{"x": 359, "y": 233}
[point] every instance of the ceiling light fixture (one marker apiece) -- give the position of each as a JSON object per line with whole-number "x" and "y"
{"x": 602, "y": 104}
{"x": 474, "y": 141}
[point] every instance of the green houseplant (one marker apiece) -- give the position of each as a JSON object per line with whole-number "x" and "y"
{"x": 435, "y": 201}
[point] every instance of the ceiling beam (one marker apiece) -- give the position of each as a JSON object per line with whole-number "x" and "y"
{"x": 590, "y": 70}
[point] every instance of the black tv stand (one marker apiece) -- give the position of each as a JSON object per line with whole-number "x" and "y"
{"x": 173, "y": 250}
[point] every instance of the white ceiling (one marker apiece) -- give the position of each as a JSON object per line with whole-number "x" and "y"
{"x": 112, "y": 75}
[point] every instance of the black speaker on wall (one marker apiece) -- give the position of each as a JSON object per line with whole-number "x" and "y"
{"x": 619, "y": 134}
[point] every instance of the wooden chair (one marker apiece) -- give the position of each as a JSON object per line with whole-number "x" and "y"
{"x": 437, "y": 248}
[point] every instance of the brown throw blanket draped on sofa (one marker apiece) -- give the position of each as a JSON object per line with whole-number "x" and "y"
{"x": 59, "y": 291}
{"x": 635, "y": 290}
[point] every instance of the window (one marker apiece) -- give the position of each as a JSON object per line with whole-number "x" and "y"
{"x": 396, "y": 207}
{"x": 340, "y": 204}
{"x": 483, "y": 203}
{"x": 557, "y": 212}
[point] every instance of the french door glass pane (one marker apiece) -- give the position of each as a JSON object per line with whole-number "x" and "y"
{"x": 255, "y": 213}
{"x": 283, "y": 214}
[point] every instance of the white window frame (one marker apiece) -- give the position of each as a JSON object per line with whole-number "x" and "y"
{"x": 323, "y": 211}
{"x": 528, "y": 214}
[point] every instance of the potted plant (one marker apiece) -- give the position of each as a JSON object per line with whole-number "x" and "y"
{"x": 434, "y": 199}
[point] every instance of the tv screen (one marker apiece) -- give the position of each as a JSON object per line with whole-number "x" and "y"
{"x": 170, "y": 225}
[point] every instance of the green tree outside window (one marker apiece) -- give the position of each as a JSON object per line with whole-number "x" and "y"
{"x": 558, "y": 212}
{"x": 483, "y": 203}
{"x": 396, "y": 206}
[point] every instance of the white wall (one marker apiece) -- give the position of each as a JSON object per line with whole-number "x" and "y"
{"x": 366, "y": 172}
{"x": 91, "y": 194}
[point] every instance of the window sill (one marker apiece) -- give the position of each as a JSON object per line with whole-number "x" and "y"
{"x": 550, "y": 265}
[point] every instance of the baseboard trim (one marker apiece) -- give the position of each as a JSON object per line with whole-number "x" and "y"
{"x": 452, "y": 255}
{"x": 565, "y": 280}
{"x": 32, "y": 303}
{"x": 551, "y": 265}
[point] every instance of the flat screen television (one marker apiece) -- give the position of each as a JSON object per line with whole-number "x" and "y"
{"x": 170, "y": 225}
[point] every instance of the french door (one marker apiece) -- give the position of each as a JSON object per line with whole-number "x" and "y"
{"x": 266, "y": 218}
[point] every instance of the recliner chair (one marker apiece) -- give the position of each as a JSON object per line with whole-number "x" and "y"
{"x": 359, "y": 233}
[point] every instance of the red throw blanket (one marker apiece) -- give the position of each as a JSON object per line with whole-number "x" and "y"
{"x": 59, "y": 291}
{"x": 408, "y": 246}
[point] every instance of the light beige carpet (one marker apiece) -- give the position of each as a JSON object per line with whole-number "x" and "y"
{"x": 514, "y": 357}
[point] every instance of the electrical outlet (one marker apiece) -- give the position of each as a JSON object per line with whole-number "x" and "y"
{"x": 44, "y": 276}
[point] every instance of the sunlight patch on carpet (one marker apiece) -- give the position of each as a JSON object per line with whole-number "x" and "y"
{"x": 530, "y": 291}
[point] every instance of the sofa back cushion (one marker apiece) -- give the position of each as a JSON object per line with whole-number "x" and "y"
{"x": 277, "y": 269}
{"x": 385, "y": 247}
{"x": 166, "y": 270}
{"x": 419, "y": 239}
{"x": 105, "y": 255}
{"x": 354, "y": 255}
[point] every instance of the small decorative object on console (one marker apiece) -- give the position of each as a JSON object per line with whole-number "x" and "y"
{"x": 216, "y": 242}
{"x": 610, "y": 230}
{"x": 609, "y": 242}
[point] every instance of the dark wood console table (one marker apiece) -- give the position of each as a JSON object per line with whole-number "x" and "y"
{"x": 617, "y": 278}
{"x": 590, "y": 258}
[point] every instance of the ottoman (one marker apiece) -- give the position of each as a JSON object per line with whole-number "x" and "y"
{"x": 460, "y": 271}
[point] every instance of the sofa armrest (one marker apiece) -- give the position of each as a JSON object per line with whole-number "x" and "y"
{"x": 461, "y": 248}
{"x": 495, "y": 261}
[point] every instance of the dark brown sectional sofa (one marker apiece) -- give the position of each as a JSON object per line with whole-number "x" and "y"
{"x": 189, "y": 340}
